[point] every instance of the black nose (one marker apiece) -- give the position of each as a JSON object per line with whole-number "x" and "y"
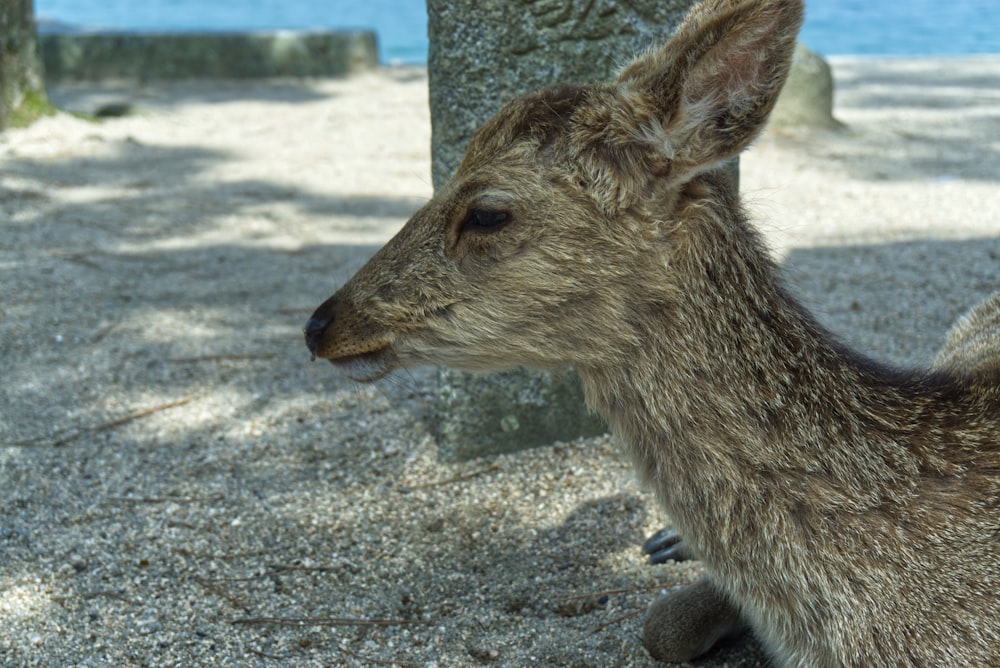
{"x": 317, "y": 324}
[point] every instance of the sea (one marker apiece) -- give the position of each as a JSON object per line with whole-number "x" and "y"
{"x": 833, "y": 27}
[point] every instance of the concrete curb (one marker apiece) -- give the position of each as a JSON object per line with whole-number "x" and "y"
{"x": 95, "y": 56}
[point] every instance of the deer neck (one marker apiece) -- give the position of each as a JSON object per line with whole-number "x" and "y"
{"x": 742, "y": 413}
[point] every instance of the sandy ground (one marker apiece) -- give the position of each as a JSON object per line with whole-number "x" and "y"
{"x": 179, "y": 486}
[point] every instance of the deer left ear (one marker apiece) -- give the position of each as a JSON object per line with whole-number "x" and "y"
{"x": 706, "y": 94}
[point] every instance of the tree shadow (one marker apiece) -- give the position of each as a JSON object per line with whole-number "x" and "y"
{"x": 261, "y": 495}
{"x": 931, "y": 83}
{"x": 895, "y": 301}
{"x": 913, "y": 119}
{"x": 163, "y": 264}
{"x": 91, "y": 97}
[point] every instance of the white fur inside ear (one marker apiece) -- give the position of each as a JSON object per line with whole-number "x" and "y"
{"x": 677, "y": 138}
{"x": 654, "y": 134}
{"x": 670, "y": 135}
{"x": 644, "y": 125}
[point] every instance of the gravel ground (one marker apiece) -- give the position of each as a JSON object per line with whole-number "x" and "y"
{"x": 179, "y": 486}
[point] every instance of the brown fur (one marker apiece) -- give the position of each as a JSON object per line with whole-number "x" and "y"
{"x": 850, "y": 512}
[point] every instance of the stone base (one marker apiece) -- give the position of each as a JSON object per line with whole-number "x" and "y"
{"x": 482, "y": 415}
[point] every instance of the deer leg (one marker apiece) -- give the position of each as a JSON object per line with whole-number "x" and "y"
{"x": 686, "y": 623}
{"x": 666, "y": 545}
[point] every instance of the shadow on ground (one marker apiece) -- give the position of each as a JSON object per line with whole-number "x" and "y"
{"x": 915, "y": 119}
{"x": 267, "y": 493}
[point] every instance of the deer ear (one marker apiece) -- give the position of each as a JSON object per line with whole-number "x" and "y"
{"x": 706, "y": 94}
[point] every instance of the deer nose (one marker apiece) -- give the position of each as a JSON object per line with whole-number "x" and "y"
{"x": 317, "y": 324}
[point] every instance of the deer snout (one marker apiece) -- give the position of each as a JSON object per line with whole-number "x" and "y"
{"x": 317, "y": 325}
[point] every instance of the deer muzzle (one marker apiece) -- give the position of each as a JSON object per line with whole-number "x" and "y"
{"x": 317, "y": 325}
{"x": 347, "y": 338}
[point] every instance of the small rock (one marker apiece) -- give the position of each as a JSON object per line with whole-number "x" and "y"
{"x": 148, "y": 624}
{"x": 482, "y": 655}
{"x": 807, "y": 98}
{"x": 114, "y": 110}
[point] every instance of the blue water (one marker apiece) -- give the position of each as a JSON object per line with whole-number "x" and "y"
{"x": 833, "y": 27}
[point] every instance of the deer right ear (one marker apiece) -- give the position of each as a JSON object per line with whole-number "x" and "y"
{"x": 706, "y": 94}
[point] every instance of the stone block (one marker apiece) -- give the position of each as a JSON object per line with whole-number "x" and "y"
{"x": 94, "y": 56}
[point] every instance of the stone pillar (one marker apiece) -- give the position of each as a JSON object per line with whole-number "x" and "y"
{"x": 22, "y": 89}
{"x": 482, "y": 54}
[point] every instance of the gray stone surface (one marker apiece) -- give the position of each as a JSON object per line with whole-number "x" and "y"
{"x": 505, "y": 412}
{"x": 807, "y": 98}
{"x": 92, "y": 56}
{"x": 482, "y": 54}
{"x": 485, "y": 52}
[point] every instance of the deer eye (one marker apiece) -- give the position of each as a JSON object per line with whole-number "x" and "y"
{"x": 484, "y": 220}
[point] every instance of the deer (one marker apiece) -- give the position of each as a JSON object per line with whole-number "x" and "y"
{"x": 845, "y": 511}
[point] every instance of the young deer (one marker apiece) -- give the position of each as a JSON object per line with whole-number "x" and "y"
{"x": 848, "y": 512}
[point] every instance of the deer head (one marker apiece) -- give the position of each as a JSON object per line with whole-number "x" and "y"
{"x": 566, "y": 215}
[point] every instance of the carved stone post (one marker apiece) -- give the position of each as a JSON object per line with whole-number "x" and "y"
{"x": 482, "y": 54}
